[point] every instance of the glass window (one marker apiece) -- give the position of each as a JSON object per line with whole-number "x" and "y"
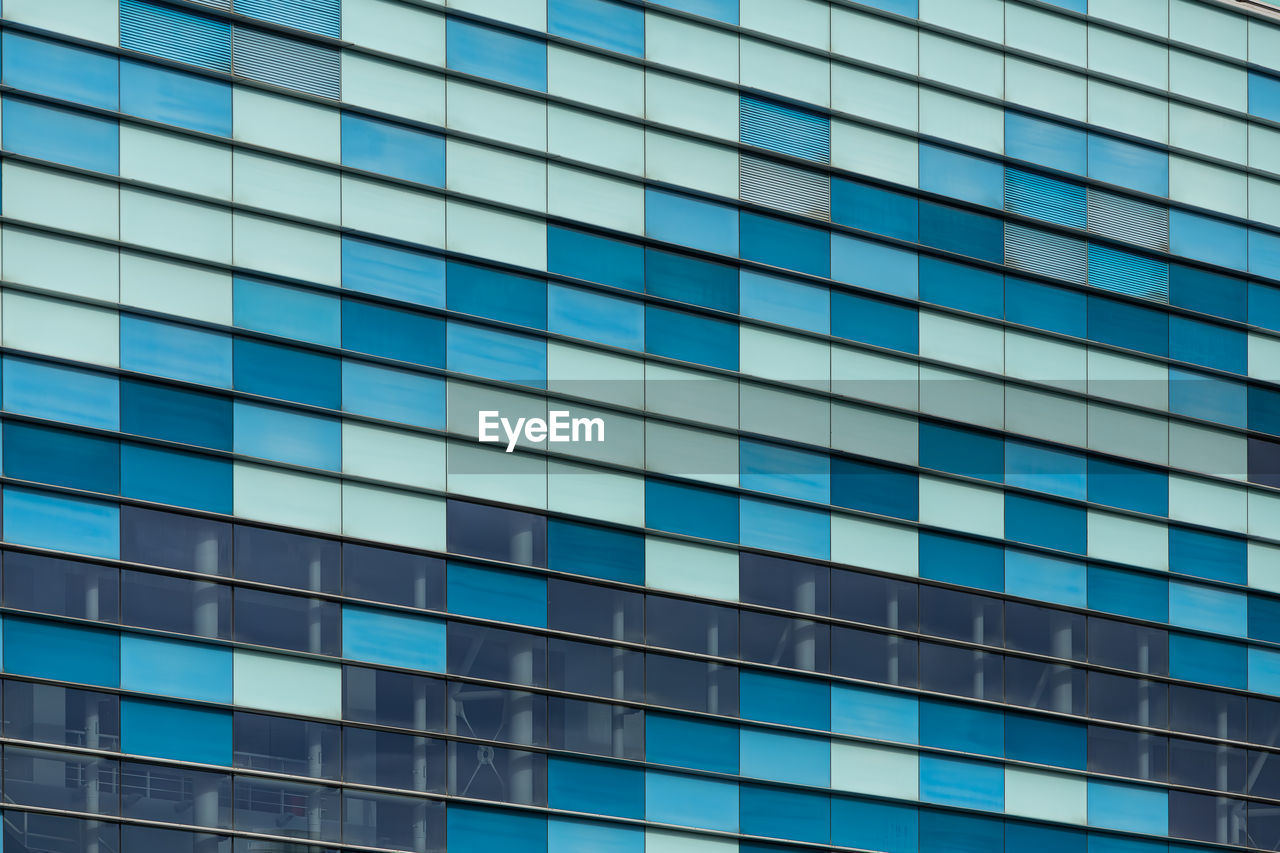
{"x": 496, "y": 533}
{"x": 63, "y": 652}
{"x": 60, "y": 70}
{"x": 1123, "y": 699}
{"x": 393, "y": 698}
{"x": 691, "y": 684}
{"x": 691, "y": 626}
{"x": 596, "y": 670}
{"x": 875, "y": 321}
{"x": 175, "y": 97}
{"x": 963, "y": 232}
{"x": 62, "y": 136}
{"x": 295, "y": 809}
{"x": 180, "y": 732}
{"x": 1047, "y": 686}
{"x": 595, "y": 551}
{"x": 789, "y": 584}
{"x": 874, "y": 600}
{"x": 395, "y": 577}
{"x": 602, "y": 23}
{"x": 61, "y": 587}
{"x": 283, "y": 745}
{"x": 597, "y": 728}
{"x": 286, "y": 621}
{"x": 1128, "y": 164}
{"x": 691, "y": 337}
{"x": 493, "y": 653}
{"x": 175, "y": 351}
{"x": 289, "y": 373}
{"x": 62, "y": 715}
{"x": 1044, "y": 142}
{"x": 691, "y": 222}
{"x": 496, "y": 54}
{"x": 385, "y": 820}
{"x": 175, "y": 604}
{"x": 961, "y": 672}
{"x": 392, "y": 149}
{"x": 176, "y": 541}
{"x": 872, "y": 656}
{"x": 785, "y": 244}
{"x": 1044, "y": 631}
{"x": 393, "y": 760}
{"x": 62, "y": 781}
{"x": 393, "y": 272}
{"x": 595, "y": 610}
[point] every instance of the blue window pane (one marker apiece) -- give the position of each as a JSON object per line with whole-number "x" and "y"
{"x": 394, "y": 639}
{"x": 871, "y": 208}
{"x": 1209, "y": 397}
{"x": 880, "y": 714}
{"x": 786, "y": 302}
{"x": 599, "y": 552}
{"x": 1129, "y": 165}
{"x": 391, "y": 272}
{"x": 785, "y": 129}
{"x": 691, "y": 510}
{"x": 1128, "y": 594}
{"x": 479, "y": 830}
{"x": 961, "y": 561}
{"x": 595, "y": 316}
{"x": 1032, "y": 194}
{"x": 786, "y": 244}
{"x": 497, "y": 295}
{"x": 176, "y": 34}
{"x": 965, "y": 728}
{"x": 1043, "y": 306}
{"x": 1264, "y": 618}
{"x": 693, "y": 743}
{"x": 691, "y": 801}
{"x": 690, "y": 222}
{"x": 962, "y": 451}
{"x": 288, "y": 373}
{"x": 60, "y": 651}
{"x": 1208, "y": 239}
{"x": 1049, "y": 524}
{"x": 288, "y": 435}
{"x": 175, "y": 477}
{"x": 1043, "y": 839}
{"x": 771, "y": 698}
{"x": 392, "y": 149}
{"x": 175, "y": 414}
{"x": 691, "y": 337}
{"x": 962, "y": 176}
{"x": 393, "y": 395}
{"x": 962, "y": 286}
{"x": 1264, "y": 95}
{"x": 1207, "y": 608}
{"x": 498, "y": 55}
{"x": 178, "y": 732}
{"x": 1130, "y": 326}
{"x": 62, "y": 136}
{"x": 589, "y": 786}
{"x": 593, "y": 258}
{"x": 175, "y": 351}
{"x": 875, "y": 321}
{"x": 1264, "y": 409}
{"x": 175, "y": 668}
{"x": 392, "y": 333}
{"x": 962, "y": 232}
{"x": 1046, "y": 578}
{"x": 1264, "y": 253}
{"x": 1207, "y": 555}
{"x": 790, "y": 529}
{"x": 867, "y": 825}
{"x": 566, "y": 835}
{"x": 960, "y": 833}
{"x": 1128, "y": 807}
{"x": 79, "y": 525}
{"x": 784, "y": 471}
{"x": 59, "y": 393}
{"x": 61, "y": 458}
{"x": 688, "y": 279}
{"x": 1211, "y": 293}
{"x": 720, "y": 10}
{"x": 783, "y": 757}
{"x": 1208, "y": 661}
{"x": 875, "y": 488}
{"x": 785, "y": 813}
{"x": 1126, "y": 272}
{"x": 875, "y": 266}
{"x": 602, "y": 23}
{"x": 175, "y": 97}
{"x": 1045, "y": 469}
{"x": 60, "y": 70}
{"x": 291, "y": 312}
{"x": 1042, "y": 740}
{"x": 1045, "y": 143}
{"x": 1128, "y": 487}
{"x": 494, "y": 354}
{"x": 1264, "y": 306}
{"x": 497, "y": 594}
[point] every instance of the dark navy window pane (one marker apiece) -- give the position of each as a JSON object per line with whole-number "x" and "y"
{"x": 176, "y": 604}
{"x": 875, "y": 321}
{"x": 396, "y": 577}
{"x": 62, "y": 458}
{"x": 392, "y": 333}
{"x": 496, "y": 533}
{"x": 175, "y": 477}
{"x": 1128, "y": 486}
{"x": 691, "y": 337}
{"x": 1046, "y": 143}
{"x": 786, "y": 244}
{"x": 791, "y": 584}
{"x": 961, "y": 286}
{"x": 62, "y": 136}
{"x": 1128, "y": 165}
{"x": 288, "y": 373}
{"x": 388, "y": 698}
{"x": 392, "y": 149}
{"x": 496, "y": 54}
{"x": 870, "y": 208}
{"x": 596, "y": 611}
{"x": 45, "y": 712}
{"x": 593, "y": 258}
{"x": 1055, "y": 309}
{"x": 962, "y": 232}
{"x": 692, "y": 510}
{"x": 962, "y": 451}
{"x": 874, "y": 657}
{"x": 687, "y": 279}
{"x": 175, "y": 414}
{"x": 1130, "y": 326}
{"x": 391, "y": 272}
{"x": 286, "y": 559}
{"x": 612, "y": 26}
{"x": 175, "y": 97}
{"x": 61, "y": 587}
{"x": 961, "y": 561}
{"x": 1208, "y": 239}
{"x": 60, "y": 70}
{"x": 598, "y": 552}
{"x": 281, "y": 745}
{"x": 1264, "y": 462}
{"x": 173, "y": 540}
{"x": 497, "y": 295}
{"x": 875, "y": 488}
{"x": 1264, "y": 95}
{"x": 287, "y": 621}
{"x": 1210, "y": 293}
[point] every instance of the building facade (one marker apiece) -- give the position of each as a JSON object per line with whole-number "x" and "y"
{"x": 560, "y": 426}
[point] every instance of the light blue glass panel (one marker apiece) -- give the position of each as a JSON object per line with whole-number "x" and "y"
{"x": 1202, "y": 395}
{"x": 59, "y": 651}
{"x": 691, "y": 222}
{"x": 497, "y": 594}
{"x": 1128, "y": 164}
{"x": 909, "y": 8}
{"x": 178, "y": 732}
{"x": 393, "y": 639}
{"x": 287, "y": 435}
{"x": 175, "y": 668}
{"x": 720, "y": 10}
{"x": 497, "y": 355}
{"x": 1046, "y": 143}
{"x": 64, "y": 394}
{"x": 1264, "y": 670}
{"x": 875, "y": 266}
{"x": 1264, "y": 95}
{"x": 786, "y": 302}
{"x": 594, "y": 316}
{"x": 785, "y": 471}
{"x": 1264, "y": 254}
{"x": 789, "y": 529}
{"x": 566, "y": 835}
{"x": 393, "y": 149}
{"x": 1206, "y": 608}
{"x": 691, "y": 801}
{"x": 175, "y": 351}
{"x": 783, "y": 757}
{"x": 175, "y": 97}
{"x": 60, "y": 70}
{"x": 496, "y": 54}
{"x": 290, "y": 312}
{"x": 1208, "y": 239}
{"x": 962, "y": 176}
{"x": 868, "y": 712}
{"x": 1045, "y": 469}
{"x": 603, "y": 23}
{"x": 393, "y": 272}
{"x": 1132, "y": 808}
{"x": 393, "y": 395}
{"x": 62, "y": 523}
{"x": 62, "y": 136}
{"x": 958, "y": 782}
{"x": 1046, "y": 578}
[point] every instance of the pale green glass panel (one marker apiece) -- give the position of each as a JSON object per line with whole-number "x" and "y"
{"x": 1207, "y": 502}
{"x": 1046, "y": 361}
{"x": 1209, "y": 80}
{"x": 61, "y": 264}
{"x": 285, "y": 124}
{"x": 1151, "y": 16}
{"x": 1264, "y": 42}
{"x": 184, "y": 227}
{"x": 696, "y": 454}
{"x": 466, "y": 400}
{"x": 785, "y": 414}
{"x": 1042, "y": 795}
{"x": 961, "y": 506}
{"x": 479, "y": 170}
{"x": 1128, "y": 540}
{"x": 525, "y": 13}
{"x": 595, "y": 375}
{"x": 471, "y": 229}
{"x": 786, "y": 358}
{"x": 595, "y": 199}
{"x": 393, "y": 517}
{"x": 594, "y": 139}
{"x": 1130, "y": 434}
{"x": 1200, "y": 24}
{"x": 1264, "y": 147}
{"x": 962, "y": 397}
{"x": 1264, "y": 566}
{"x": 287, "y": 685}
{"x": 46, "y": 197}
{"x": 872, "y": 432}
{"x": 1264, "y": 200}
{"x": 804, "y": 21}
{"x": 1264, "y": 350}
{"x": 1043, "y": 33}
{"x": 967, "y": 343}
{"x": 962, "y": 120}
{"x": 690, "y": 569}
{"x": 862, "y": 768}
{"x": 290, "y": 250}
{"x": 693, "y": 396}
{"x": 594, "y": 80}
{"x": 981, "y": 18}
{"x": 278, "y": 185}
{"x": 1041, "y": 414}
{"x": 1053, "y": 90}
{"x": 171, "y": 160}
{"x": 874, "y": 378}
{"x": 1204, "y": 185}
{"x": 1208, "y": 133}
{"x": 874, "y": 152}
{"x": 1128, "y": 111}
{"x": 393, "y": 27}
{"x": 874, "y": 544}
{"x": 486, "y": 472}
{"x": 1128, "y": 379}
{"x": 1264, "y": 513}
{"x": 1211, "y": 451}
{"x": 392, "y": 455}
{"x": 592, "y": 492}
{"x": 61, "y": 329}
{"x": 875, "y": 97}
{"x": 1128, "y": 57}
{"x": 785, "y": 71}
{"x": 691, "y": 46}
{"x": 871, "y": 38}
{"x": 962, "y": 64}
{"x": 667, "y": 841}
{"x": 173, "y": 287}
{"x": 285, "y": 497}
{"x": 392, "y": 211}
{"x": 392, "y": 88}
{"x": 87, "y": 19}
{"x": 623, "y": 437}
{"x": 689, "y": 163}
{"x": 698, "y": 107}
